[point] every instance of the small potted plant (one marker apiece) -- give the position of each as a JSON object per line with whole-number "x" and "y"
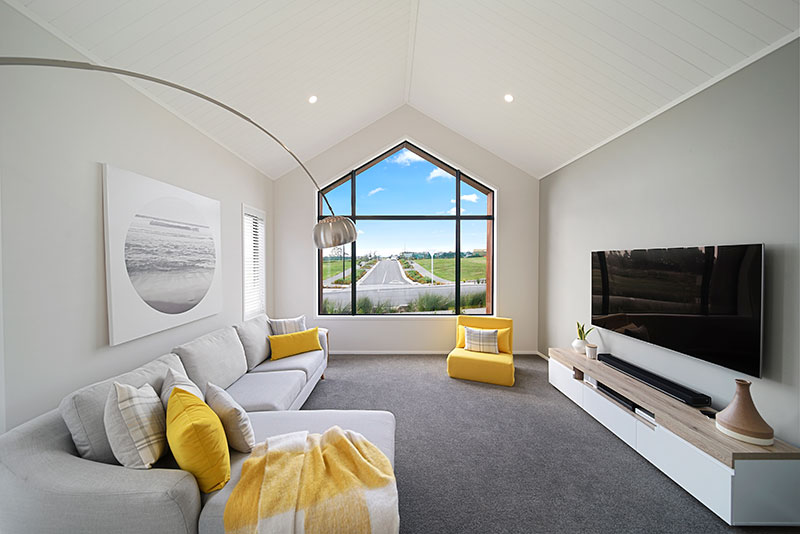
{"x": 579, "y": 344}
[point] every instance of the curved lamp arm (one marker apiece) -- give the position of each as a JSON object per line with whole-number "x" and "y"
{"x": 81, "y": 65}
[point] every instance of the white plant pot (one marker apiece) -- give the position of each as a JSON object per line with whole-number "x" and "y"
{"x": 579, "y": 345}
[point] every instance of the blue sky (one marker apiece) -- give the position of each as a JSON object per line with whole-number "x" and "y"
{"x": 406, "y": 184}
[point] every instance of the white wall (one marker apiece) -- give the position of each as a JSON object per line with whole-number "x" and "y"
{"x": 57, "y": 128}
{"x": 516, "y": 246}
{"x": 720, "y": 168}
{"x": 2, "y": 337}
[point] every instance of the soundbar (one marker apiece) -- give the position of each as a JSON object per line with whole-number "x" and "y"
{"x": 674, "y": 390}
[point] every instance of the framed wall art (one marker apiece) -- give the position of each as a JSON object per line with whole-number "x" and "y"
{"x": 163, "y": 265}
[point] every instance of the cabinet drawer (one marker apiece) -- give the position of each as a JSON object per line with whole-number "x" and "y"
{"x": 695, "y": 471}
{"x": 561, "y": 377}
{"x": 615, "y": 418}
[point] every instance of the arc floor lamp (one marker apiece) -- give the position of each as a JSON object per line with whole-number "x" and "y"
{"x": 329, "y": 232}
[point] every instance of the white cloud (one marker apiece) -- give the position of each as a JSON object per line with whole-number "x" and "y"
{"x": 452, "y": 201}
{"x": 405, "y": 158}
{"x": 360, "y": 232}
{"x": 452, "y": 211}
{"x": 376, "y": 190}
{"x": 470, "y": 198}
{"x": 439, "y": 173}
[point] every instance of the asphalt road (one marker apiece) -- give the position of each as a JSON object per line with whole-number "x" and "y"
{"x": 387, "y": 273}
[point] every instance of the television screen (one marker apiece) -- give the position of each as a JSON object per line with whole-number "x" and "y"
{"x": 705, "y": 302}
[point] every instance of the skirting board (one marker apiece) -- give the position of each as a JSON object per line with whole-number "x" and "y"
{"x": 417, "y": 352}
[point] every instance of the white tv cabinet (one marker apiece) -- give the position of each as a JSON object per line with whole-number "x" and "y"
{"x": 743, "y": 484}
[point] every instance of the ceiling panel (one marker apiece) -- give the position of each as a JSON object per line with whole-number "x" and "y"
{"x": 581, "y": 71}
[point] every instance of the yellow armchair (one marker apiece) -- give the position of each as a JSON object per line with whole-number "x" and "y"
{"x": 481, "y": 366}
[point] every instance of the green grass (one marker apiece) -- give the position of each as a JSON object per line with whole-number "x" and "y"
{"x": 471, "y": 268}
{"x": 432, "y": 302}
{"x": 333, "y": 267}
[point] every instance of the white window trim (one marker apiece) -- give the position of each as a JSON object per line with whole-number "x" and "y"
{"x": 253, "y": 212}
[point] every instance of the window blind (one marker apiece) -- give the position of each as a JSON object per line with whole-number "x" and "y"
{"x": 254, "y": 260}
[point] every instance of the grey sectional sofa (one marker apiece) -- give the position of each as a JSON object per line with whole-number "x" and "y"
{"x": 58, "y": 474}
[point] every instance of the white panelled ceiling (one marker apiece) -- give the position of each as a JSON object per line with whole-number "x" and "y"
{"x": 580, "y": 71}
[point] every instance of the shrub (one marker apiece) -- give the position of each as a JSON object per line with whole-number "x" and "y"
{"x": 473, "y": 300}
{"x": 366, "y": 306}
{"x": 431, "y": 302}
{"x": 414, "y": 275}
{"x": 332, "y": 308}
{"x": 346, "y": 280}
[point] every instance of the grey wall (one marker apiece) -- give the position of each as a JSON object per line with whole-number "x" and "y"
{"x": 722, "y": 167}
{"x": 57, "y": 128}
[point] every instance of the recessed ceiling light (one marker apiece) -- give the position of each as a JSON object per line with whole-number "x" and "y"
{"x": 312, "y": 99}
{"x": 509, "y": 98}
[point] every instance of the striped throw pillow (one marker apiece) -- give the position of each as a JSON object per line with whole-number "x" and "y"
{"x": 480, "y": 340}
{"x": 280, "y": 327}
{"x": 136, "y": 425}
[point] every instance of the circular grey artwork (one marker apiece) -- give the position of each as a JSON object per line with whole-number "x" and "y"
{"x": 170, "y": 255}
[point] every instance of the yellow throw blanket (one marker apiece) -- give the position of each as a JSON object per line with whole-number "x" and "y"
{"x": 301, "y": 483}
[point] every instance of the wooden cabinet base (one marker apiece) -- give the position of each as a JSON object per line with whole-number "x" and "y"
{"x": 743, "y": 484}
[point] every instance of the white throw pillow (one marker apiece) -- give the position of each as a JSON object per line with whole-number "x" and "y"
{"x": 234, "y": 419}
{"x": 136, "y": 425}
{"x": 177, "y": 379}
{"x": 287, "y": 326}
{"x": 480, "y": 340}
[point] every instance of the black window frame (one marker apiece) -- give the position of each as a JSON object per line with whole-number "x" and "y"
{"x": 457, "y": 217}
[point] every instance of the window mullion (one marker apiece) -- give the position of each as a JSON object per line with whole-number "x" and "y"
{"x": 458, "y": 242}
{"x": 352, "y": 246}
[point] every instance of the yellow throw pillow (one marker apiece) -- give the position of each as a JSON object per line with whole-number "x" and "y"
{"x": 290, "y": 344}
{"x": 197, "y": 439}
{"x": 503, "y": 338}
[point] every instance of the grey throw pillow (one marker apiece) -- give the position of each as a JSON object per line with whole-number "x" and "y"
{"x": 253, "y": 334}
{"x": 234, "y": 419}
{"x": 287, "y": 326}
{"x": 136, "y": 425}
{"x": 177, "y": 379}
{"x": 216, "y": 357}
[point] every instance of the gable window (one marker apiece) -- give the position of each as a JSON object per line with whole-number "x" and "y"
{"x": 253, "y": 261}
{"x": 425, "y": 239}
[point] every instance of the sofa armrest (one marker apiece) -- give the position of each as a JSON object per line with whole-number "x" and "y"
{"x": 323, "y": 341}
{"x": 47, "y": 488}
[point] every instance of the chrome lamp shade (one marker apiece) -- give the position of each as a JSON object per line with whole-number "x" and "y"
{"x": 334, "y": 231}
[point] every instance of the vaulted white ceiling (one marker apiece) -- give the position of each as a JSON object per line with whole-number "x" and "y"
{"x": 581, "y": 72}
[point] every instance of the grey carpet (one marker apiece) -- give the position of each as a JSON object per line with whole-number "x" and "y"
{"x": 480, "y": 458}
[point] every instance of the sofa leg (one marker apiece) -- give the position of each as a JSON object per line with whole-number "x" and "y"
{"x": 322, "y": 377}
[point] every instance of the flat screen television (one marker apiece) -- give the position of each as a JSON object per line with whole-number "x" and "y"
{"x": 705, "y": 302}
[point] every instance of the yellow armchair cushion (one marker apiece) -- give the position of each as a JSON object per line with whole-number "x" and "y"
{"x": 297, "y": 343}
{"x": 503, "y": 338}
{"x": 481, "y": 366}
{"x": 197, "y": 440}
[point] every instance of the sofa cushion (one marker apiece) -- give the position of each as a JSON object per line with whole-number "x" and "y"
{"x": 197, "y": 440}
{"x": 295, "y": 343}
{"x": 258, "y": 392}
{"x": 136, "y": 425}
{"x": 234, "y": 419}
{"x": 253, "y": 335}
{"x": 82, "y": 410}
{"x": 174, "y": 380}
{"x": 308, "y": 362}
{"x": 377, "y": 426}
{"x": 217, "y": 357}
{"x": 279, "y": 327}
